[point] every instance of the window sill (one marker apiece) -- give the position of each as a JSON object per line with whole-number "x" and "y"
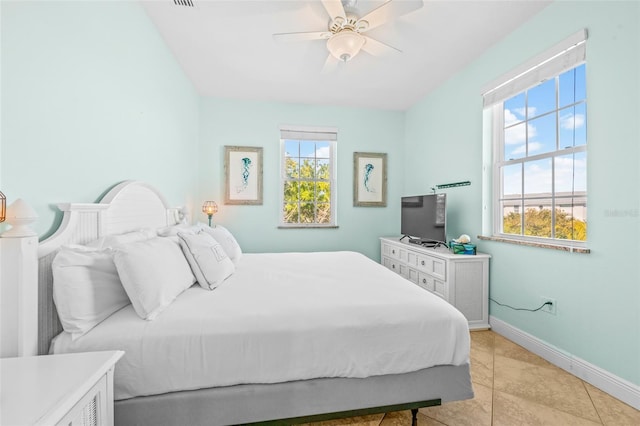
{"x": 308, "y": 227}
{"x": 569, "y": 249}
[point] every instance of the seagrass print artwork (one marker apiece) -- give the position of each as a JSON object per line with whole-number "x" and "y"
{"x": 369, "y": 179}
{"x": 243, "y": 175}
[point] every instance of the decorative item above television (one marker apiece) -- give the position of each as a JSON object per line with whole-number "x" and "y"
{"x": 424, "y": 219}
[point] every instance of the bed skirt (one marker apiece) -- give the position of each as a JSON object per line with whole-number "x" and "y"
{"x": 256, "y": 403}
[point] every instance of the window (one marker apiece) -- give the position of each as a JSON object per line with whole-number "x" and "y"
{"x": 308, "y": 177}
{"x": 540, "y": 149}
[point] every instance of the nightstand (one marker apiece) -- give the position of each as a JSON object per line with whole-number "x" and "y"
{"x": 70, "y": 389}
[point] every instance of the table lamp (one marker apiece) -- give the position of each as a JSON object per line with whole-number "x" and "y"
{"x": 209, "y": 208}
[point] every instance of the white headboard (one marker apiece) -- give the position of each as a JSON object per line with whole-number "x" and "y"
{"x": 128, "y": 206}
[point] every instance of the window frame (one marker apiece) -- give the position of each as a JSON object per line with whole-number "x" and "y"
{"x": 565, "y": 56}
{"x": 498, "y": 181}
{"x": 312, "y": 132}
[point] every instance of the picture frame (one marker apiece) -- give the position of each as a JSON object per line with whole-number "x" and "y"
{"x": 243, "y": 175}
{"x": 369, "y": 179}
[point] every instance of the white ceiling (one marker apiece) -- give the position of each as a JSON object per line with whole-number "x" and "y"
{"x": 227, "y": 50}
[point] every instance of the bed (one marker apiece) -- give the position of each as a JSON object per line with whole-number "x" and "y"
{"x": 283, "y": 339}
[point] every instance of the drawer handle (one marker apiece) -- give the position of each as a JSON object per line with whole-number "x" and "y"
{"x": 393, "y": 266}
{"x": 393, "y": 251}
{"x": 423, "y": 263}
{"x": 424, "y": 281}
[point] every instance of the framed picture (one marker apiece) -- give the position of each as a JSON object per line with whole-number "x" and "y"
{"x": 243, "y": 175}
{"x": 369, "y": 179}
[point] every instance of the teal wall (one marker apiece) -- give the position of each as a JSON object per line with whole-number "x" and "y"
{"x": 229, "y": 122}
{"x": 597, "y": 294}
{"x": 91, "y": 96}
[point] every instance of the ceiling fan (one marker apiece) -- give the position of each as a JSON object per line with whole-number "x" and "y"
{"x": 345, "y": 33}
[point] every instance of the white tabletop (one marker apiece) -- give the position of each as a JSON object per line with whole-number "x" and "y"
{"x": 42, "y": 389}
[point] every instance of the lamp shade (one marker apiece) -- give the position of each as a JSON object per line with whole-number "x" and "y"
{"x": 20, "y": 215}
{"x": 3, "y": 207}
{"x": 209, "y": 208}
{"x": 345, "y": 45}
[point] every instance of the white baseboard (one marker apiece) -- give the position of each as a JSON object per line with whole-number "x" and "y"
{"x": 615, "y": 386}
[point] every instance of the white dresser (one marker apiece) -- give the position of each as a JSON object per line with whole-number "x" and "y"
{"x": 69, "y": 389}
{"x": 462, "y": 280}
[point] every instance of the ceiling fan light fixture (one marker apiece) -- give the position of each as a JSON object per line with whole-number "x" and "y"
{"x": 345, "y": 45}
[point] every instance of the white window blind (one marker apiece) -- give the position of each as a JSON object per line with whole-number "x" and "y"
{"x": 563, "y": 56}
{"x": 308, "y": 134}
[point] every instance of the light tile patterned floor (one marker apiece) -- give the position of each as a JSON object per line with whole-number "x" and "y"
{"x": 514, "y": 387}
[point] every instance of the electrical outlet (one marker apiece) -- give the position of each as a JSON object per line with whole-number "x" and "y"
{"x": 550, "y": 309}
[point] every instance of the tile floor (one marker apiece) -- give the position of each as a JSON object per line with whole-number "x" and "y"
{"x": 514, "y": 387}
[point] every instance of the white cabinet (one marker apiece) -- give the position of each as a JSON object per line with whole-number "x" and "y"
{"x": 69, "y": 389}
{"x": 462, "y": 280}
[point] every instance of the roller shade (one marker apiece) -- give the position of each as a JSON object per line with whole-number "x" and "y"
{"x": 308, "y": 133}
{"x": 564, "y": 56}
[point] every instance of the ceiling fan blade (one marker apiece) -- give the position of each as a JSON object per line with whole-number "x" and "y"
{"x": 378, "y": 48}
{"x": 334, "y": 9}
{"x": 330, "y": 65}
{"x": 314, "y": 35}
{"x": 388, "y": 11}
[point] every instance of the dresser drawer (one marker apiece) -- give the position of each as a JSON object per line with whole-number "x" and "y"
{"x": 412, "y": 258}
{"x": 440, "y": 288}
{"x": 391, "y": 251}
{"x": 391, "y": 264}
{"x": 432, "y": 265}
{"x": 412, "y": 275}
{"x": 435, "y": 286}
{"x": 425, "y": 281}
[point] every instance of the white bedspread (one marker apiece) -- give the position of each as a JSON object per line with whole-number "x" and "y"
{"x": 282, "y": 317}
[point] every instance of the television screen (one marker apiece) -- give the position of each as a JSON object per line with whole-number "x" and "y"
{"x": 424, "y": 218}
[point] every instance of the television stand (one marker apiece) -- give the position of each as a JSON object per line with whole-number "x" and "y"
{"x": 462, "y": 280}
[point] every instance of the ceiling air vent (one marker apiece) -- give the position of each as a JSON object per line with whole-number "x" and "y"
{"x": 188, "y": 3}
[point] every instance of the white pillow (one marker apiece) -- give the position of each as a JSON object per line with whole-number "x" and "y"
{"x": 225, "y": 238}
{"x": 86, "y": 288}
{"x": 117, "y": 240}
{"x": 209, "y": 262}
{"x": 171, "y": 231}
{"x": 153, "y": 272}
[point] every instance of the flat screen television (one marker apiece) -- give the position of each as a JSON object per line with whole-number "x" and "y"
{"x": 424, "y": 219}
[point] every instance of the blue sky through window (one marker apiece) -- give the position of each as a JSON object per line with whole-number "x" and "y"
{"x": 541, "y": 99}
{"x": 306, "y": 149}
{"x": 318, "y": 152}
{"x": 545, "y": 118}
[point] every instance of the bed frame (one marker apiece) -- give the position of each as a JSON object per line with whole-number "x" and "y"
{"x": 132, "y": 205}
